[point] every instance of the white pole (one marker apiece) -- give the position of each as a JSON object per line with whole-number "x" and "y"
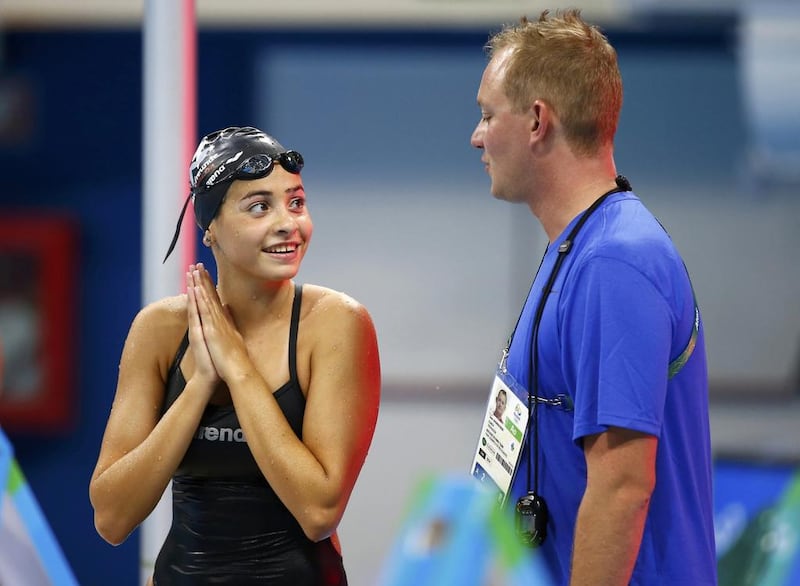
{"x": 169, "y": 48}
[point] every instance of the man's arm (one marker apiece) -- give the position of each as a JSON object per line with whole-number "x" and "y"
{"x": 621, "y": 477}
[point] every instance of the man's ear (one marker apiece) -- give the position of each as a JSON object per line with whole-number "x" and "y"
{"x": 539, "y": 114}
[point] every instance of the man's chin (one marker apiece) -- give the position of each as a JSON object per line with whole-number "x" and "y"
{"x": 498, "y": 194}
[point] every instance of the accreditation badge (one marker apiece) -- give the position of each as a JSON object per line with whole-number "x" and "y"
{"x": 502, "y": 435}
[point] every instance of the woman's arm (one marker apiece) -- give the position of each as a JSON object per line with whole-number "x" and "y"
{"x": 140, "y": 449}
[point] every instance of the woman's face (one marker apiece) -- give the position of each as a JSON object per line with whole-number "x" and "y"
{"x": 263, "y": 226}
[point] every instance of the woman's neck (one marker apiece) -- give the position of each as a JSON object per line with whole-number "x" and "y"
{"x": 255, "y": 301}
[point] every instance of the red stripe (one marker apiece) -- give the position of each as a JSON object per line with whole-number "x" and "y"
{"x": 189, "y": 108}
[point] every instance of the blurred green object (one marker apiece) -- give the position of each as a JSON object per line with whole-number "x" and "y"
{"x": 767, "y": 548}
{"x": 455, "y": 533}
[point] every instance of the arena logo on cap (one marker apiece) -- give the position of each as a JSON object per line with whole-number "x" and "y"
{"x": 218, "y": 173}
{"x": 205, "y": 165}
{"x": 215, "y": 175}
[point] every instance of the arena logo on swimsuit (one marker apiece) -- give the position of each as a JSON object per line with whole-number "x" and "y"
{"x": 220, "y": 434}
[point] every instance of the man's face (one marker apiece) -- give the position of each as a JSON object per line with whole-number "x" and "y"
{"x": 502, "y": 134}
{"x": 500, "y": 402}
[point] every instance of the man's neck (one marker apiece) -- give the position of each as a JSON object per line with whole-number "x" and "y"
{"x": 570, "y": 188}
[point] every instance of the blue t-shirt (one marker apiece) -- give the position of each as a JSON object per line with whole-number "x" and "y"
{"x": 621, "y": 309}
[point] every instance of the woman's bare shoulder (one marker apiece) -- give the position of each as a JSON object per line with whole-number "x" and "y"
{"x": 160, "y": 323}
{"x": 331, "y": 316}
{"x": 169, "y": 312}
{"x": 155, "y": 334}
{"x": 319, "y": 301}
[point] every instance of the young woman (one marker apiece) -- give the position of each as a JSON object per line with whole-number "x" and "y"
{"x": 257, "y": 397}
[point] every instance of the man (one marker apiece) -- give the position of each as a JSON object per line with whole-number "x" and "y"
{"x": 500, "y": 402}
{"x": 614, "y": 365}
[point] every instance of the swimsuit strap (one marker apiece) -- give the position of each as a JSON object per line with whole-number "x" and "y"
{"x": 298, "y": 297}
{"x": 179, "y": 355}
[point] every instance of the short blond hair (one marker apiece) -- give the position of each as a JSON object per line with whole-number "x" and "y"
{"x": 570, "y": 65}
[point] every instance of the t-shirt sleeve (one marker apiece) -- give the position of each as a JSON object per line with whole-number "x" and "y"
{"x": 617, "y": 330}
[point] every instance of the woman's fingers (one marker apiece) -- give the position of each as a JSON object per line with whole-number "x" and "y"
{"x": 223, "y": 342}
{"x": 209, "y": 305}
{"x": 197, "y": 338}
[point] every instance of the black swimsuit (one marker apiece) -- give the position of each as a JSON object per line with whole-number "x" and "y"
{"x": 228, "y": 525}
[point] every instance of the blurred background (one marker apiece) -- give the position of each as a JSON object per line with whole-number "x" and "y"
{"x": 380, "y": 99}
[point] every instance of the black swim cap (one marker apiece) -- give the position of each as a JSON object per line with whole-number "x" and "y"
{"x": 218, "y": 161}
{"x": 215, "y": 161}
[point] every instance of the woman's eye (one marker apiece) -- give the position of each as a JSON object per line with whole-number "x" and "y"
{"x": 297, "y": 204}
{"x": 259, "y": 207}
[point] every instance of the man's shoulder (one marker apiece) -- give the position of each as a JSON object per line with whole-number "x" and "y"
{"x": 628, "y": 232}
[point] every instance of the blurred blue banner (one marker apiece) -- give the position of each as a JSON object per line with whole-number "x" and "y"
{"x": 29, "y": 554}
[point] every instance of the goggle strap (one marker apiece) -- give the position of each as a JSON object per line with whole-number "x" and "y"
{"x": 177, "y": 230}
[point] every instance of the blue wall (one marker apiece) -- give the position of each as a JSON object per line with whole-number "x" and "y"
{"x": 84, "y": 160}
